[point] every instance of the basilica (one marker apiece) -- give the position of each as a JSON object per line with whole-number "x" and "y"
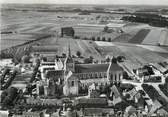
{"x": 73, "y": 76}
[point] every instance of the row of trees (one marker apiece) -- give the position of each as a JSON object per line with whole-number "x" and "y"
{"x": 35, "y": 71}
{"x": 9, "y": 81}
{"x": 4, "y": 73}
{"x": 95, "y": 38}
{"x": 108, "y": 39}
{"x": 151, "y": 19}
{"x": 30, "y": 87}
{"x": 5, "y": 55}
{"x": 101, "y": 39}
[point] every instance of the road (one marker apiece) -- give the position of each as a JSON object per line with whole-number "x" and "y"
{"x": 138, "y": 87}
{"x": 155, "y": 85}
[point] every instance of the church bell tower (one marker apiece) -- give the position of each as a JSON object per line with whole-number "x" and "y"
{"x": 69, "y": 62}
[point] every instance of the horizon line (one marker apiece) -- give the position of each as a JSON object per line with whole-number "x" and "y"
{"x": 89, "y": 4}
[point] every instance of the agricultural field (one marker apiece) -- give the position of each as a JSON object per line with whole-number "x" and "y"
{"x": 40, "y": 32}
{"x": 60, "y": 45}
{"x": 124, "y": 38}
{"x": 23, "y": 26}
{"x": 151, "y": 36}
{"x": 139, "y": 37}
{"x": 136, "y": 55}
{"x": 163, "y": 38}
{"x": 143, "y": 34}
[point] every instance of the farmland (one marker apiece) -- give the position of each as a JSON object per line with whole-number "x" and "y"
{"x": 60, "y": 45}
{"x": 40, "y": 32}
{"x": 23, "y": 26}
{"x": 143, "y": 34}
{"x": 139, "y": 37}
{"x": 135, "y": 54}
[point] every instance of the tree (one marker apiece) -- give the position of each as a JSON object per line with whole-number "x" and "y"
{"x": 78, "y": 53}
{"x": 35, "y": 70}
{"x": 93, "y": 38}
{"x": 28, "y": 89}
{"x": 44, "y": 59}
{"x": 127, "y": 96}
{"x": 76, "y": 37}
{"x": 114, "y": 60}
{"x": 98, "y": 38}
{"x": 63, "y": 55}
{"x": 37, "y": 61}
{"x": 12, "y": 92}
{"x": 85, "y": 38}
{"x": 142, "y": 92}
{"x": 8, "y": 97}
{"x": 97, "y": 17}
{"x": 3, "y": 95}
{"x": 26, "y": 59}
{"x": 91, "y": 58}
{"x": 4, "y": 73}
{"x": 120, "y": 58}
{"x": 8, "y": 83}
{"x": 106, "y": 29}
{"x": 150, "y": 70}
{"x": 109, "y": 39}
{"x": 88, "y": 60}
{"x": 107, "y": 59}
{"x": 103, "y": 39}
{"x": 15, "y": 61}
{"x": 6, "y": 102}
{"x": 126, "y": 86}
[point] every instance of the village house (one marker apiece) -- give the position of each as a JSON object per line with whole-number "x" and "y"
{"x": 115, "y": 95}
{"x": 48, "y": 66}
{"x": 146, "y": 75}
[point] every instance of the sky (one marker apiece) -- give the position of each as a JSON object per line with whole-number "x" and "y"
{"x": 127, "y": 2}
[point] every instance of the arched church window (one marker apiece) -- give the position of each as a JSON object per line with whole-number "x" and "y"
{"x": 96, "y": 74}
{"x": 115, "y": 77}
{"x": 80, "y": 75}
{"x": 101, "y": 75}
{"x": 87, "y": 76}
{"x": 83, "y": 76}
{"x": 111, "y": 76}
{"x": 72, "y": 83}
{"x": 91, "y": 75}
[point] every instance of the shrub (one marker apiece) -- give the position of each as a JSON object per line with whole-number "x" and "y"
{"x": 103, "y": 39}
{"x": 98, "y": 38}
{"x": 78, "y": 53}
{"x": 93, "y": 38}
{"x": 109, "y": 39}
